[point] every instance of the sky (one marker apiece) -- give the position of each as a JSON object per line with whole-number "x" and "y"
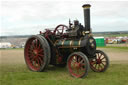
{"x": 28, "y": 17}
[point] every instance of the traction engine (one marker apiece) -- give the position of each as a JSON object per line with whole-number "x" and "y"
{"x": 72, "y": 46}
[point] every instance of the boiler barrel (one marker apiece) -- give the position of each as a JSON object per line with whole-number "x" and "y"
{"x": 71, "y": 43}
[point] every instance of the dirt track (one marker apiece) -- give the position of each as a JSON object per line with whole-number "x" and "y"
{"x": 116, "y": 55}
{"x": 17, "y": 56}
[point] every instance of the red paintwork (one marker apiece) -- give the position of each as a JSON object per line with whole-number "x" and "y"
{"x": 59, "y": 59}
{"x": 98, "y": 63}
{"x": 63, "y": 27}
{"x": 47, "y": 33}
{"x": 76, "y": 65}
{"x": 34, "y": 54}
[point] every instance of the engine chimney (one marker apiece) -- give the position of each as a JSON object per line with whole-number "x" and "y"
{"x": 86, "y": 8}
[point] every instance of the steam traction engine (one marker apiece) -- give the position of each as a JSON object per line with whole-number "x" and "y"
{"x": 73, "y": 46}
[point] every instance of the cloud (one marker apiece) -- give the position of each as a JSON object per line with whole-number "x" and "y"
{"x": 29, "y": 17}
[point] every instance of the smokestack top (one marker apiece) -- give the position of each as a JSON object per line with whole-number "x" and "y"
{"x": 86, "y": 6}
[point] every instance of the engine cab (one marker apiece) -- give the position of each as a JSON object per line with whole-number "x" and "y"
{"x": 76, "y": 29}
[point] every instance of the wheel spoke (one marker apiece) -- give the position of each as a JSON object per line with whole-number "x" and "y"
{"x": 100, "y": 66}
{"x": 33, "y": 44}
{"x": 38, "y": 62}
{"x": 30, "y": 52}
{"x": 30, "y": 48}
{"x": 62, "y": 29}
{"x": 31, "y": 56}
{"x": 82, "y": 64}
{"x": 41, "y": 50}
{"x": 32, "y": 59}
{"x": 75, "y": 58}
{"x": 58, "y": 31}
{"x": 41, "y": 55}
{"x": 77, "y": 70}
{"x": 97, "y": 55}
{"x": 81, "y": 61}
{"x": 41, "y": 61}
{"x": 100, "y": 56}
{"x": 39, "y": 46}
{"x": 93, "y": 62}
{"x": 104, "y": 61}
{"x": 95, "y": 65}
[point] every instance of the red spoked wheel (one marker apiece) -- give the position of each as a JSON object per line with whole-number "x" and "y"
{"x": 36, "y": 53}
{"x": 60, "y": 30}
{"x": 78, "y": 65}
{"x": 100, "y": 63}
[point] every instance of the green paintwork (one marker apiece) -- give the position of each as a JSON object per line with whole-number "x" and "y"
{"x": 100, "y": 42}
{"x": 59, "y": 43}
{"x": 67, "y": 43}
{"x": 75, "y": 43}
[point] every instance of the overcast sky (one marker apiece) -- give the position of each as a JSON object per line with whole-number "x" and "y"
{"x": 30, "y": 16}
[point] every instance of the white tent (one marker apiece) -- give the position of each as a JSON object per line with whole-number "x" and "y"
{"x": 5, "y": 45}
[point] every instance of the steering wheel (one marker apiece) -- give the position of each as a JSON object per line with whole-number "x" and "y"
{"x": 60, "y": 30}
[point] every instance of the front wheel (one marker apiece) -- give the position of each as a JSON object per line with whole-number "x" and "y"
{"x": 78, "y": 65}
{"x": 100, "y": 63}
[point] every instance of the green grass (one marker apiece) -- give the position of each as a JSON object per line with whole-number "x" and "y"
{"x": 18, "y": 74}
{"x": 117, "y": 74}
{"x": 125, "y": 48}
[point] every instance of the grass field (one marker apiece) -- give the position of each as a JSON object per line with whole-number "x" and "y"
{"x": 13, "y": 71}
{"x": 112, "y": 35}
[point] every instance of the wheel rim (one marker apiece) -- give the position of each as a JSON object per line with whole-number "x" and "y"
{"x": 76, "y": 66}
{"x": 34, "y": 54}
{"x": 99, "y": 63}
{"x": 60, "y": 27}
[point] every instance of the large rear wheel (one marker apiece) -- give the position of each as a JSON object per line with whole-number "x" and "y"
{"x": 78, "y": 65}
{"x": 36, "y": 53}
{"x": 100, "y": 63}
